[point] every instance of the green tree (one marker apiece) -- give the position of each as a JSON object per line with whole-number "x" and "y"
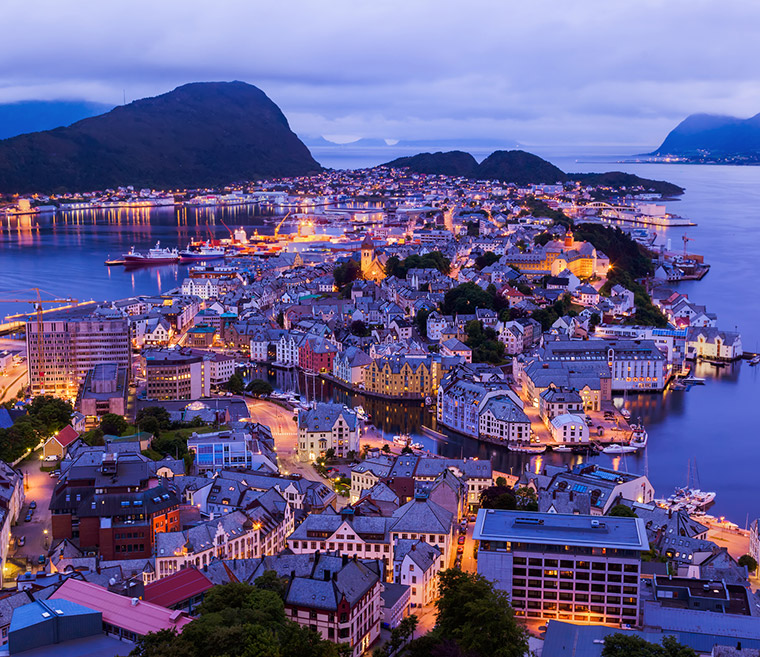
{"x": 485, "y": 260}
{"x": 158, "y": 412}
{"x": 526, "y": 498}
{"x": 749, "y": 561}
{"x": 466, "y": 299}
{"x": 359, "y": 328}
{"x": 632, "y": 645}
{"x": 622, "y": 511}
{"x": 113, "y": 424}
{"x": 259, "y": 387}
{"x": 475, "y": 617}
{"x": 271, "y": 581}
{"x": 235, "y": 385}
{"x": 420, "y": 320}
{"x": 501, "y": 481}
{"x": 485, "y": 344}
{"x": 347, "y": 273}
{"x": 498, "y": 497}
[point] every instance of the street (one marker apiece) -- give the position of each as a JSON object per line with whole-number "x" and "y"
{"x": 38, "y": 487}
{"x": 14, "y": 378}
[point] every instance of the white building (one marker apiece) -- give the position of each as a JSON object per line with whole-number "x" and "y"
{"x": 349, "y": 365}
{"x": 416, "y": 564}
{"x": 328, "y": 426}
{"x": 568, "y": 428}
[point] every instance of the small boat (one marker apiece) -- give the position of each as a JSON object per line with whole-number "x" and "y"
{"x": 755, "y": 360}
{"x": 527, "y": 449}
{"x": 278, "y": 395}
{"x": 694, "y": 380}
{"x": 402, "y": 439}
{"x": 416, "y": 446}
{"x": 625, "y": 412}
{"x": 618, "y": 448}
{"x": 640, "y": 436}
{"x": 361, "y": 414}
{"x": 561, "y": 448}
{"x": 110, "y": 262}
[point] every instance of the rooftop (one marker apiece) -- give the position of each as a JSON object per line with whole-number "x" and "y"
{"x": 561, "y": 529}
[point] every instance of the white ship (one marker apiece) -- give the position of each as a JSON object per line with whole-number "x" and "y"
{"x": 154, "y": 256}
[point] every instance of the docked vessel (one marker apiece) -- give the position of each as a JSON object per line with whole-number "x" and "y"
{"x": 527, "y": 449}
{"x": 361, "y": 414}
{"x": 202, "y": 252}
{"x": 402, "y": 439}
{"x": 154, "y": 256}
{"x": 618, "y": 448}
{"x": 640, "y": 436}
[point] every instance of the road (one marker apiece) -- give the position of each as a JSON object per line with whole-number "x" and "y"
{"x": 38, "y": 487}
{"x": 15, "y": 377}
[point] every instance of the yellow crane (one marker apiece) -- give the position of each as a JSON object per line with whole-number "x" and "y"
{"x": 38, "y": 308}
{"x": 277, "y": 228}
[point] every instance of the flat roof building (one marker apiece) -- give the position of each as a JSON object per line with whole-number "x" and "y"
{"x": 567, "y": 567}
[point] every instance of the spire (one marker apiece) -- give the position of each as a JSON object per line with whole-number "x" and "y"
{"x": 367, "y": 243}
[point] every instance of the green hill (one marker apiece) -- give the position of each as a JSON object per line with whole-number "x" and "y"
{"x": 451, "y": 163}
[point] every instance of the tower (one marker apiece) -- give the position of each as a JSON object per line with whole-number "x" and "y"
{"x": 368, "y": 254}
{"x": 569, "y": 241}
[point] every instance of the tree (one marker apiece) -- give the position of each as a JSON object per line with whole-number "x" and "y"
{"x": 526, "y": 498}
{"x": 632, "y": 645}
{"x": 622, "y": 511}
{"x": 271, "y": 581}
{"x": 359, "y": 328}
{"x": 749, "y": 561}
{"x": 474, "y": 617}
{"x": 346, "y": 273}
{"x": 485, "y": 344}
{"x": 466, "y": 299}
{"x": 49, "y": 414}
{"x": 386, "y": 449}
{"x": 235, "y": 384}
{"x": 485, "y": 260}
{"x": 420, "y": 320}
{"x": 330, "y": 454}
{"x": 281, "y": 319}
{"x": 259, "y": 387}
{"x": 501, "y": 481}
{"x": 160, "y": 414}
{"x": 594, "y": 320}
{"x": 113, "y": 424}
{"x": 498, "y": 497}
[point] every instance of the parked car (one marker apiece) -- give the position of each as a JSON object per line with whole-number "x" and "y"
{"x": 21, "y": 541}
{"x": 33, "y": 505}
{"x": 28, "y": 516}
{"x": 460, "y": 549}
{"x": 461, "y": 540}
{"x": 41, "y": 559}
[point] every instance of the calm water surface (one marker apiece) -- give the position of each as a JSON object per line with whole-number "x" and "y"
{"x": 713, "y": 425}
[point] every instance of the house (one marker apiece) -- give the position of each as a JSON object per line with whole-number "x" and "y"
{"x": 349, "y": 365}
{"x": 586, "y": 295}
{"x": 396, "y": 599}
{"x": 557, "y": 401}
{"x": 416, "y": 564}
{"x": 56, "y": 447}
{"x": 184, "y": 590}
{"x": 453, "y": 347}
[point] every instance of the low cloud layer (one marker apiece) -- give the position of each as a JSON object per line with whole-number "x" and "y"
{"x": 540, "y": 72}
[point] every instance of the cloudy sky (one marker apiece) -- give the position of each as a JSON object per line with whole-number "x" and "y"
{"x": 541, "y": 72}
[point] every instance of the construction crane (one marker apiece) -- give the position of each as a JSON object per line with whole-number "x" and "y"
{"x": 686, "y": 240}
{"x": 277, "y": 228}
{"x": 38, "y": 308}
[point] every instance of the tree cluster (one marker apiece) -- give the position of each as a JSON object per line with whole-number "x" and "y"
{"x": 45, "y": 417}
{"x": 347, "y": 273}
{"x": 631, "y": 645}
{"x": 485, "y": 344}
{"x": 472, "y": 620}
{"x": 433, "y": 260}
{"x": 241, "y": 620}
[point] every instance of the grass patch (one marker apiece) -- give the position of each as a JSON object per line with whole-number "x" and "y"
{"x": 152, "y": 454}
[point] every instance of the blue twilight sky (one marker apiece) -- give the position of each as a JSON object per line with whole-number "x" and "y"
{"x": 539, "y": 72}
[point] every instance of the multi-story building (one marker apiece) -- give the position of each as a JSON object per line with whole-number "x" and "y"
{"x": 634, "y": 364}
{"x": 317, "y": 354}
{"x": 327, "y": 426}
{"x": 565, "y": 567}
{"x": 334, "y": 595}
{"x": 501, "y": 420}
{"x": 349, "y": 365}
{"x": 174, "y": 374}
{"x": 248, "y": 534}
{"x": 406, "y": 377}
{"x": 235, "y": 448}
{"x": 11, "y": 501}
{"x": 557, "y": 401}
{"x": 117, "y": 507}
{"x": 73, "y": 342}
{"x": 568, "y": 428}
{"x": 104, "y": 391}
{"x": 592, "y": 380}
{"x": 416, "y": 564}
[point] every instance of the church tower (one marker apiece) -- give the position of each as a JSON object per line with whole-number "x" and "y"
{"x": 368, "y": 254}
{"x": 569, "y": 240}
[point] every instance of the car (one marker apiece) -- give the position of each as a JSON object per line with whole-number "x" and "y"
{"x": 472, "y": 518}
{"x": 21, "y": 541}
{"x": 52, "y": 457}
{"x": 41, "y": 559}
{"x": 33, "y": 505}
{"x": 461, "y": 540}
{"x": 28, "y": 516}
{"x": 460, "y": 549}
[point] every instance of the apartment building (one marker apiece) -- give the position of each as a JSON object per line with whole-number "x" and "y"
{"x": 73, "y": 342}
{"x": 405, "y": 376}
{"x": 567, "y": 567}
{"x": 327, "y": 426}
{"x": 174, "y": 374}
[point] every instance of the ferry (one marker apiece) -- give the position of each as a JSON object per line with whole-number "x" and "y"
{"x": 154, "y": 256}
{"x": 202, "y": 252}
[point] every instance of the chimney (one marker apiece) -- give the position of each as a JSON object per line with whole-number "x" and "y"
{"x": 571, "y": 496}
{"x": 345, "y": 560}
{"x": 292, "y": 575}
{"x": 327, "y": 575}
{"x": 554, "y": 494}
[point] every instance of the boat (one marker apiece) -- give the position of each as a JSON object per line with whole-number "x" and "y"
{"x": 202, "y": 252}
{"x": 527, "y": 449}
{"x": 154, "y": 256}
{"x": 361, "y": 414}
{"x": 561, "y": 448}
{"x": 755, "y": 360}
{"x": 111, "y": 262}
{"x": 402, "y": 439}
{"x": 694, "y": 380}
{"x": 640, "y": 436}
{"x": 625, "y": 412}
{"x": 618, "y": 448}
{"x": 416, "y": 446}
{"x": 677, "y": 385}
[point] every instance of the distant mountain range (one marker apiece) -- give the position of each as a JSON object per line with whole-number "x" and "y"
{"x": 198, "y": 135}
{"x": 36, "y": 115}
{"x": 712, "y": 136}
{"x": 522, "y": 168}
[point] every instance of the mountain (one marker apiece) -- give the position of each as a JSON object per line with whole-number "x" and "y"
{"x": 35, "y": 115}
{"x": 198, "y": 135}
{"x": 452, "y": 163}
{"x": 518, "y": 167}
{"x": 708, "y": 134}
{"x": 619, "y": 180}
